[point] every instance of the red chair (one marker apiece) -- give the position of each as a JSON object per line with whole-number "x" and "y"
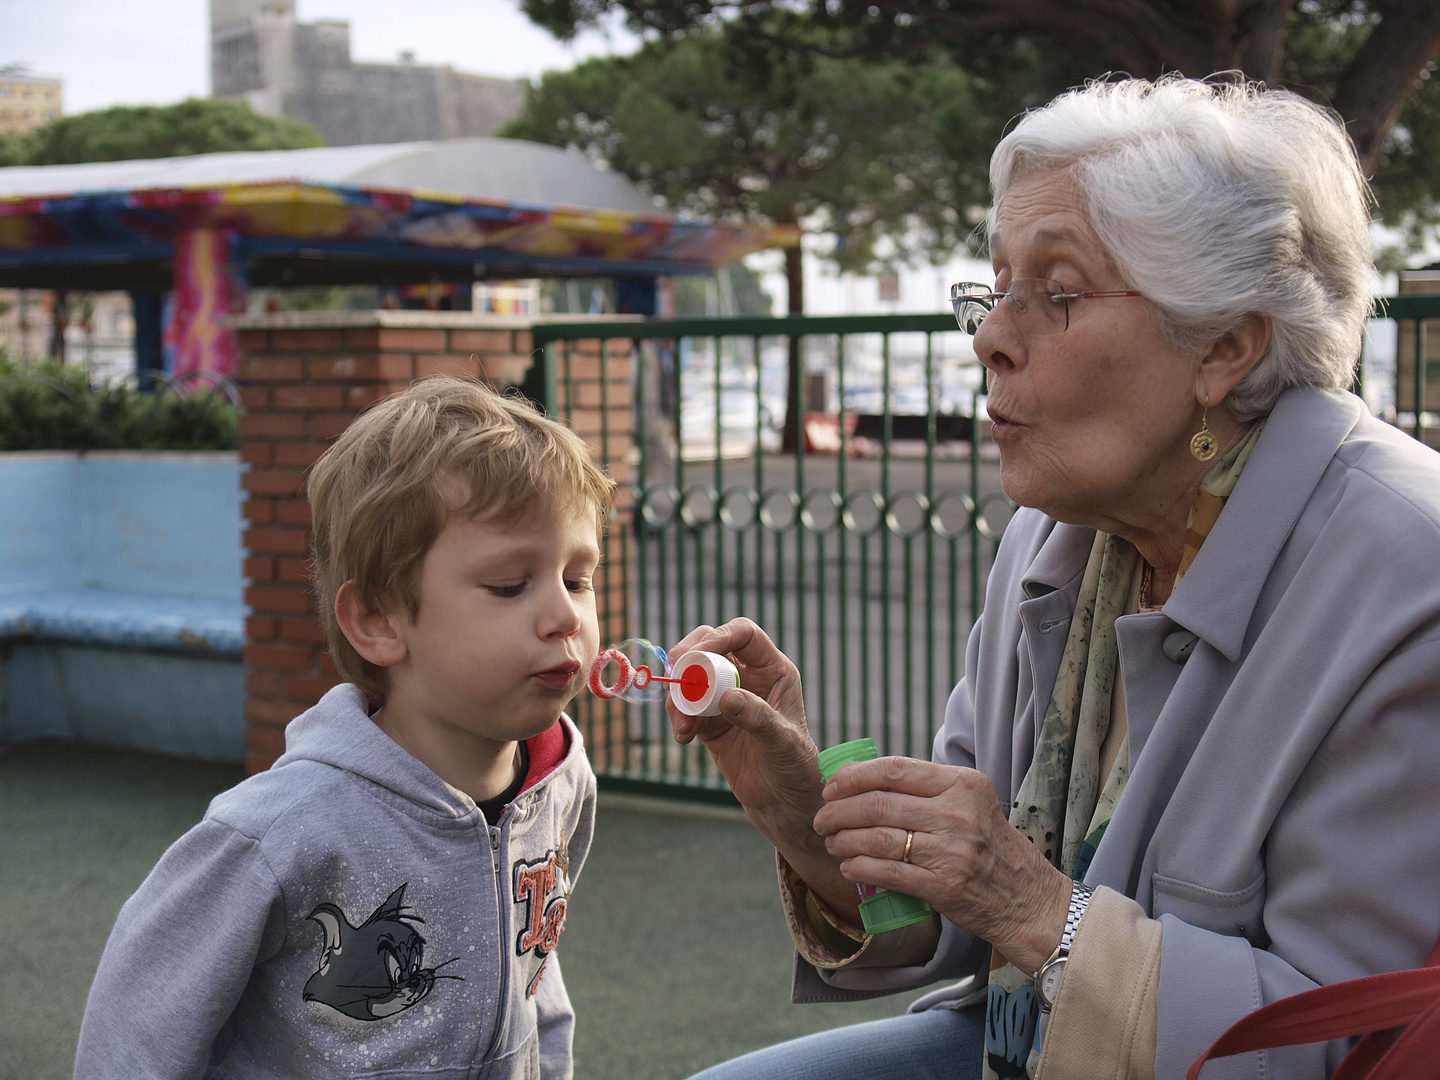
{"x": 1378, "y": 1007}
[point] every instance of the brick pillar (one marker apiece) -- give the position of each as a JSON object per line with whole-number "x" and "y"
{"x": 595, "y": 390}
{"x": 304, "y": 377}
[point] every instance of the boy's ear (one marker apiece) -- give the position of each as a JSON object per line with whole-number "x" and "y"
{"x": 376, "y": 635}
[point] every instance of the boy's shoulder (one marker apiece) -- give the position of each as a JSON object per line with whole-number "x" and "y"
{"x": 305, "y": 776}
{"x": 254, "y": 806}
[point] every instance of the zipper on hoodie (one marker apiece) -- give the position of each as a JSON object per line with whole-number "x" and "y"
{"x": 502, "y": 1000}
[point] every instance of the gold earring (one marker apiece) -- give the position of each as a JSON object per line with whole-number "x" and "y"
{"x": 1202, "y": 446}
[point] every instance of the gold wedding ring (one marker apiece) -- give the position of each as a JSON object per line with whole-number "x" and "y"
{"x": 909, "y": 839}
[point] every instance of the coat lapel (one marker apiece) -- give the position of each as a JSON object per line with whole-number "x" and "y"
{"x": 1218, "y": 595}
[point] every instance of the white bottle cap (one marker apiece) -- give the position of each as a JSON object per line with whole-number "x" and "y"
{"x": 698, "y": 693}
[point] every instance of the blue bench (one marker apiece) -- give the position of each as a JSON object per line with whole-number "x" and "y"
{"x": 127, "y": 619}
{"x": 121, "y": 612}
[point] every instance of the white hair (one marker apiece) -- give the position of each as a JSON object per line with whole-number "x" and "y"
{"x": 1218, "y": 201}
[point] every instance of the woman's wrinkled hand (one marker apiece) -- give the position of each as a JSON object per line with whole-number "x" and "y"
{"x": 966, "y": 859}
{"x": 759, "y": 741}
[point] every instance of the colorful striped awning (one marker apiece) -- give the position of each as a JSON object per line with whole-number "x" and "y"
{"x": 206, "y": 228}
{"x": 350, "y": 222}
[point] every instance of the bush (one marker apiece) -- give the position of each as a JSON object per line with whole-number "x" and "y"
{"x": 45, "y": 405}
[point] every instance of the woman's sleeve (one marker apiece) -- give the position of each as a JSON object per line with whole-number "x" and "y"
{"x": 1105, "y": 1022}
{"x": 179, "y": 958}
{"x": 915, "y": 957}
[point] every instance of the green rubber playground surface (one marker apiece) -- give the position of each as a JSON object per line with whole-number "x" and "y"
{"x": 675, "y": 951}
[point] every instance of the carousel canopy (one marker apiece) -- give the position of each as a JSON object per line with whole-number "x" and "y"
{"x": 452, "y": 210}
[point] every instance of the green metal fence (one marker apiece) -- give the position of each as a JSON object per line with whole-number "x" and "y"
{"x": 863, "y": 554}
{"x": 1414, "y": 382}
{"x": 865, "y": 560}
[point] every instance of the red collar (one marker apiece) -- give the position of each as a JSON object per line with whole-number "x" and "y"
{"x": 547, "y": 750}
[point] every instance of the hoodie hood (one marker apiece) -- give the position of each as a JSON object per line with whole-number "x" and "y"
{"x": 339, "y": 732}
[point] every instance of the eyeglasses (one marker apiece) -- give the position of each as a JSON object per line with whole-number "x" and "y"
{"x": 1040, "y": 305}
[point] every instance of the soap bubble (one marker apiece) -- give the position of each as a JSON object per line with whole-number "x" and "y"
{"x": 646, "y": 654}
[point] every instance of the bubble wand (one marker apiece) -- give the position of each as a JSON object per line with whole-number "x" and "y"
{"x": 695, "y": 682}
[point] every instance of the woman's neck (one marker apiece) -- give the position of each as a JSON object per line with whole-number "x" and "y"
{"x": 1159, "y": 535}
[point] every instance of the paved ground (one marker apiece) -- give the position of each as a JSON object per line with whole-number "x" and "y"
{"x": 675, "y": 952}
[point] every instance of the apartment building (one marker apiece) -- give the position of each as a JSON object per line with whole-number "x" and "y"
{"x": 27, "y": 100}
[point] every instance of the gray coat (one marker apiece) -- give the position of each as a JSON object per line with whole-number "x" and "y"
{"x": 1282, "y": 817}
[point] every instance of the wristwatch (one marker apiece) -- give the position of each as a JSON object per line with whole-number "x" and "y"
{"x": 1047, "y": 979}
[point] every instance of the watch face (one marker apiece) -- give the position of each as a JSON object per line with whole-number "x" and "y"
{"x": 1048, "y": 984}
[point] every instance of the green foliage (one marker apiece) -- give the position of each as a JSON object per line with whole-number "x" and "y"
{"x": 1019, "y": 56}
{"x": 45, "y": 405}
{"x": 1407, "y": 179}
{"x": 1321, "y": 41}
{"x": 12, "y": 150}
{"x": 736, "y": 127}
{"x": 125, "y": 132}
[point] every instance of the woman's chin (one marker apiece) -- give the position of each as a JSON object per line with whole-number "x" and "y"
{"x": 1016, "y": 477}
{"x": 1039, "y": 489}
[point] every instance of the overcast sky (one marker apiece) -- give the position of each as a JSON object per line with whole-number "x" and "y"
{"x": 112, "y": 52}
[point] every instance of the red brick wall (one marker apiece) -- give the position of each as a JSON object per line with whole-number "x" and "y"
{"x": 595, "y": 390}
{"x": 302, "y": 381}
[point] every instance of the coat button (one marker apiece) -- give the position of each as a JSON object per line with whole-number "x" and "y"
{"x": 1179, "y": 645}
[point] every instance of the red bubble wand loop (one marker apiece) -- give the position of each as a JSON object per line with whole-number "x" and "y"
{"x": 609, "y": 691}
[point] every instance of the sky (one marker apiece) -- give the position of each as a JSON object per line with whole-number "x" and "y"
{"x": 156, "y": 52}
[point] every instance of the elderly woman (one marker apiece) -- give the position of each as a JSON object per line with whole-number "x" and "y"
{"x": 1194, "y": 762}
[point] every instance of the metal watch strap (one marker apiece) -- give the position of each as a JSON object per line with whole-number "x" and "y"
{"x": 1079, "y": 900}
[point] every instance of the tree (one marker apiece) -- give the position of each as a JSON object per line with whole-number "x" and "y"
{"x": 1368, "y": 59}
{"x": 749, "y": 129}
{"x": 717, "y": 131}
{"x": 125, "y": 132}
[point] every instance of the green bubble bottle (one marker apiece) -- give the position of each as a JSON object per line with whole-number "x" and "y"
{"x": 880, "y": 909}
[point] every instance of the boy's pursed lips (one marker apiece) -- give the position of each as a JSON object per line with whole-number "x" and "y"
{"x": 560, "y": 676}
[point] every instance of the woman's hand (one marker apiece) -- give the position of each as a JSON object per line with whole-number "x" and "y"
{"x": 759, "y": 741}
{"x": 966, "y": 859}
{"x": 762, "y": 747}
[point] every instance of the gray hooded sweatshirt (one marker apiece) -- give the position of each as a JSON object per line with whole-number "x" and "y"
{"x": 348, "y": 913}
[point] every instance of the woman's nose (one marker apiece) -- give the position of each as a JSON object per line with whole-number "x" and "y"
{"x": 996, "y": 343}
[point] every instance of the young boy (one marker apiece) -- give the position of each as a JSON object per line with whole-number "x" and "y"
{"x": 386, "y": 900}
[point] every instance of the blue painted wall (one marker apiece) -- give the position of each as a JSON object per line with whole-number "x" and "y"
{"x": 159, "y": 523}
{"x": 42, "y": 542}
{"x": 134, "y": 541}
{"x": 168, "y": 527}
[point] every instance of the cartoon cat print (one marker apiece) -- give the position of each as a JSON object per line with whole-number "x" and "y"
{"x": 372, "y": 971}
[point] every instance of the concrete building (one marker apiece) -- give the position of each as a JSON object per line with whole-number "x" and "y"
{"x": 27, "y": 101}
{"x": 283, "y": 67}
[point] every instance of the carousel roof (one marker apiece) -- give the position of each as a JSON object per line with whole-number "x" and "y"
{"x": 454, "y": 209}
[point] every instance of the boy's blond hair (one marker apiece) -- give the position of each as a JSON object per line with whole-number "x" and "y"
{"x": 446, "y": 447}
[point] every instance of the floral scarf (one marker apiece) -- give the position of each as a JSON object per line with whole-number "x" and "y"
{"x": 1062, "y": 806}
